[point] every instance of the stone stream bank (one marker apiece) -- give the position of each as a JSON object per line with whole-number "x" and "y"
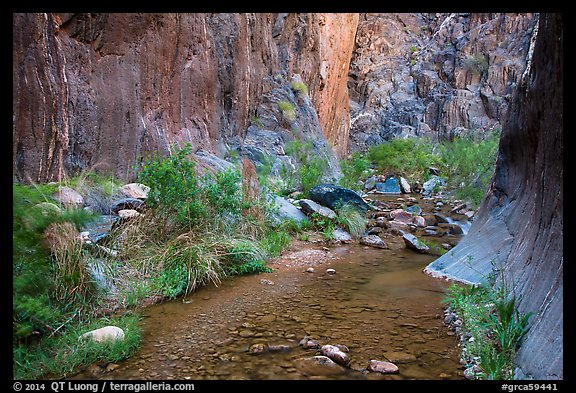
{"x": 339, "y": 309}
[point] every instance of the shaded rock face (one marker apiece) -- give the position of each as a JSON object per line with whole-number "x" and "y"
{"x": 519, "y": 227}
{"x": 103, "y": 90}
{"x": 434, "y": 74}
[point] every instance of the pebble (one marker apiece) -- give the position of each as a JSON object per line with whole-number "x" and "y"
{"x": 330, "y": 271}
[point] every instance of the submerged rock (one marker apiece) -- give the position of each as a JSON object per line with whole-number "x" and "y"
{"x": 336, "y": 354}
{"x": 382, "y": 367}
{"x": 318, "y": 365}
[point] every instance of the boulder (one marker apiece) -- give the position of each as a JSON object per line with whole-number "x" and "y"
{"x": 128, "y": 213}
{"x": 135, "y": 190}
{"x": 419, "y": 221}
{"x": 370, "y": 183}
{"x": 413, "y": 243}
{"x": 48, "y": 208}
{"x": 389, "y": 186}
{"x": 310, "y": 207}
{"x": 106, "y": 333}
{"x": 68, "y": 197}
{"x": 334, "y": 197}
{"x": 373, "y": 241}
{"x": 383, "y": 367}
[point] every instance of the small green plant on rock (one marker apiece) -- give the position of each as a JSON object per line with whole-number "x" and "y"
{"x": 288, "y": 110}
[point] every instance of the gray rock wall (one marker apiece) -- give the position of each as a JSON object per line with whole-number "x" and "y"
{"x": 519, "y": 227}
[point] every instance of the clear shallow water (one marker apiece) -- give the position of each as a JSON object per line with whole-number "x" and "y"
{"x": 379, "y": 304}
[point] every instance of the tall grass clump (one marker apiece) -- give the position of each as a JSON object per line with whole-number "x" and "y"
{"x": 495, "y": 327}
{"x": 352, "y": 220}
{"x": 53, "y": 293}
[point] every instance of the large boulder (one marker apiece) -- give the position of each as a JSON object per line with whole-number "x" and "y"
{"x": 335, "y": 197}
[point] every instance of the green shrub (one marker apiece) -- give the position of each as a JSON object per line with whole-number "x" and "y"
{"x": 477, "y": 63}
{"x": 300, "y": 88}
{"x": 409, "y": 157}
{"x": 354, "y": 170}
{"x": 288, "y": 110}
{"x": 40, "y": 278}
{"x": 468, "y": 165}
{"x": 311, "y": 167}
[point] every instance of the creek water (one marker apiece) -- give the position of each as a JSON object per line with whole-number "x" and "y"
{"x": 379, "y": 304}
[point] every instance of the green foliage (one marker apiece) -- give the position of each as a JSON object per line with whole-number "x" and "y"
{"x": 288, "y": 110}
{"x": 300, "y": 88}
{"x": 352, "y": 220}
{"x": 497, "y": 327}
{"x": 477, "y": 63}
{"x": 36, "y": 278}
{"x": 354, "y": 170}
{"x": 468, "y": 163}
{"x": 410, "y": 157}
{"x": 311, "y": 167}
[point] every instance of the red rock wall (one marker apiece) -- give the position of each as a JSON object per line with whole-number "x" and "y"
{"x": 102, "y": 90}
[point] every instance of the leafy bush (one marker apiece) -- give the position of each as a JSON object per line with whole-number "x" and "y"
{"x": 410, "y": 157}
{"x": 40, "y": 277}
{"x": 311, "y": 167}
{"x": 468, "y": 164}
{"x": 354, "y": 170}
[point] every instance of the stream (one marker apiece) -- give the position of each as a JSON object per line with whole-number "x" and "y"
{"x": 378, "y": 303}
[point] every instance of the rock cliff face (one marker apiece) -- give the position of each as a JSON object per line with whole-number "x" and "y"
{"x": 104, "y": 89}
{"x": 519, "y": 227}
{"x": 434, "y": 74}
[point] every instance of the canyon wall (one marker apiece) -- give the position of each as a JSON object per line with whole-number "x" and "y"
{"x": 436, "y": 75}
{"x": 518, "y": 232}
{"x": 100, "y": 91}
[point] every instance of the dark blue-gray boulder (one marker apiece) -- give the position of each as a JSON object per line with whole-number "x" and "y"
{"x": 334, "y": 197}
